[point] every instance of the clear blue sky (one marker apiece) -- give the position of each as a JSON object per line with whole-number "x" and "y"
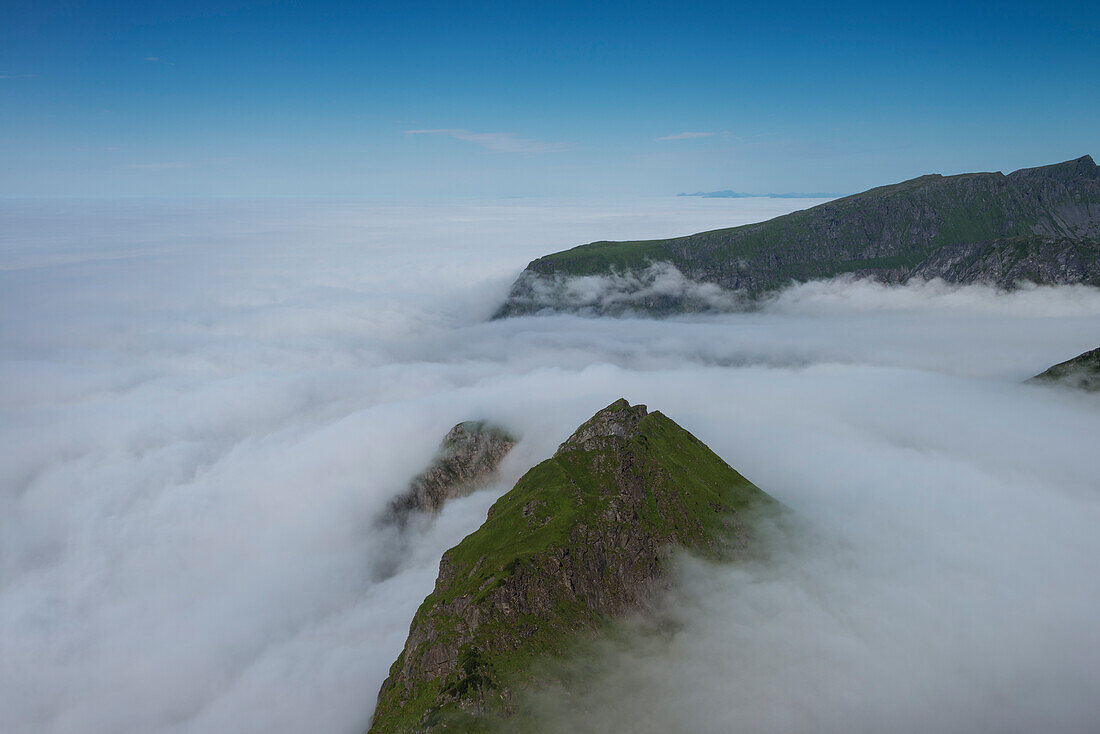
{"x": 516, "y": 98}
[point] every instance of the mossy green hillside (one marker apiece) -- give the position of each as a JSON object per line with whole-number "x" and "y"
{"x": 887, "y": 230}
{"x": 1082, "y": 372}
{"x": 580, "y": 539}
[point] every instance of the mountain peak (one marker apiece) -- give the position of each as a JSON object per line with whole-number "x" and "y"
{"x": 618, "y": 420}
{"x": 1077, "y": 168}
{"x": 582, "y": 539}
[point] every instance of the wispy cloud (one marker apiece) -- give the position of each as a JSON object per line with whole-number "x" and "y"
{"x": 179, "y": 165}
{"x": 164, "y": 166}
{"x": 499, "y": 142}
{"x": 17, "y": 76}
{"x": 685, "y": 136}
{"x": 159, "y": 60}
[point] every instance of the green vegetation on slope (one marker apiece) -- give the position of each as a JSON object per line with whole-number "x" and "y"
{"x": 886, "y": 231}
{"x": 581, "y": 538}
{"x": 1082, "y": 372}
{"x": 848, "y": 225}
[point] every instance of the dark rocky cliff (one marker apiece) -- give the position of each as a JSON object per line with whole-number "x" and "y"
{"x": 580, "y": 540}
{"x": 1040, "y": 224}
{"x": 467, "y": 459}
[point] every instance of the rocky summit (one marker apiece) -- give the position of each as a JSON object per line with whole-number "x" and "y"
{"x": 1037, "y": 224}
{"x": 1082, "y": 372}
{"x": 467, "y": 458}
{"x": 581, "y": 540}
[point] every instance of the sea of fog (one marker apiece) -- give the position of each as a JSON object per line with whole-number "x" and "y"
{"x": 205, "y": 406}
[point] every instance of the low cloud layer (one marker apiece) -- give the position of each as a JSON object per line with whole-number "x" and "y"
{"x": 661, "y": 286}
{"x": 624, "y": 292}
{"x": 205, "y": 407}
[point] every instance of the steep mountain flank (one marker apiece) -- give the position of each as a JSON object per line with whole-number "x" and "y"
{"x": 467, "y": 459}
{"x": 581, "y": 539}
{"x": 1082, "y": 372}
{"x": 1040, "y": 224}
{"x": 1011, "y": 260}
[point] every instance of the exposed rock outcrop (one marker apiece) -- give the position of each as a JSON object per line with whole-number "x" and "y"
{"x": 582, "y": 539}
{"x": 1082, "y": 372}
{"x": 467, "y": 459}
{"x": 1036, "y": 224}
{"x": 1009, "y": 261}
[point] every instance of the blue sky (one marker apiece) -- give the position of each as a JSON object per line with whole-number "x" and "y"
{"x": 422, "y": 100}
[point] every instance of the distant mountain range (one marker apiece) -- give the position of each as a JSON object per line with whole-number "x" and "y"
{"x": 1036, "y": 224}
{"x": 727, "y": 194}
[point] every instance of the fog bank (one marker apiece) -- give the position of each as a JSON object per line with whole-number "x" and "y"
{"x": 205, "y": 407}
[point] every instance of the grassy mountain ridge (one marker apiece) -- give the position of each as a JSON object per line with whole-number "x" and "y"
{"x": 886, "y": 232}
{"x": 1082, "y": 372}
{"x": 582, "y": 538}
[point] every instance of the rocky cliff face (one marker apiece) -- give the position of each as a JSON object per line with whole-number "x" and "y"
{"x": 467, "y": 459}
{"x": 581, "y": 539}
{"x": 1009, "y": 261}
{"x": 1082, "y": 372}
{"x": 961, "y": 228}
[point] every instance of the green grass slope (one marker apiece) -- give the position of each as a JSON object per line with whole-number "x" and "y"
{"x": 1082, "y": 372}
{"x": 887, "y": 230}
{"x": 582, "y": 538}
